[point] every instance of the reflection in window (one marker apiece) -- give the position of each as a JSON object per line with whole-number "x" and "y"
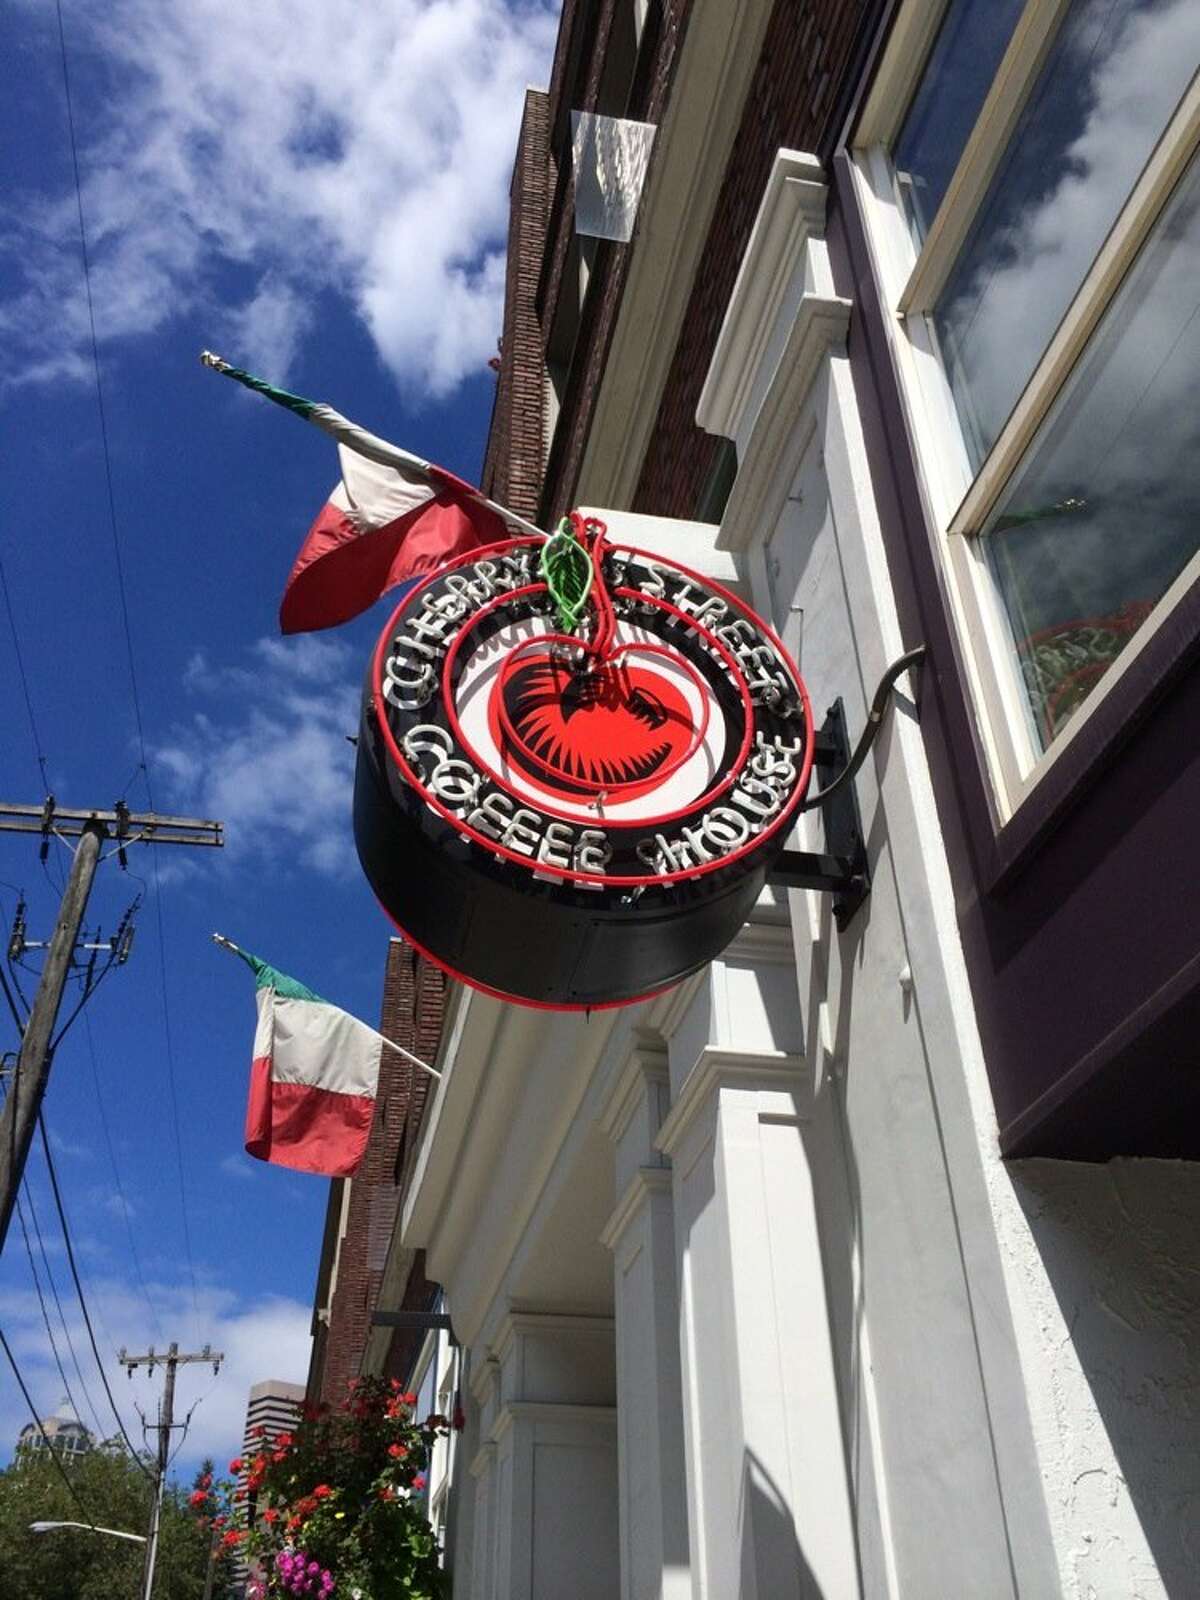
{"x": 1107, "y": 90}
{"x": 972, "y": 39}
{"x": 1105, "y": 512}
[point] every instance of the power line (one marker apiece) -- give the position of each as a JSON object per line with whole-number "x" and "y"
{"x": 172, "y": 1096}
{"x": 87, "y": 284}
{"x": 58, "y": 1304}
{"x": 116, "y": 1172}
{"x": 46, "y": 1317}
{"x": 133, "y": 681}
{"x": 39, "y": 755}
{"x": 53, "y": 1454}
{"x": 62, "y": 1217}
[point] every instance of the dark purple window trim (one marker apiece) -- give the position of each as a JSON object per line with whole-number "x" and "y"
{"x": 1080, "y": 915}
{"x": 1169, "y": 649}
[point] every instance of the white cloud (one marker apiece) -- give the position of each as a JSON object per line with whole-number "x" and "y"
{"x": 268, "y": 752}
{"x": 264, "y": 1337}
{"x": 364, "y": 148}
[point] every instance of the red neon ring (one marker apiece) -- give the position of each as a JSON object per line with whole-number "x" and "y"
{"x": 492, "y": 846}
{"x": 705, "y": 799}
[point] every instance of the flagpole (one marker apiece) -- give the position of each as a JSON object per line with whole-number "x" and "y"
{"x": 228, "y": 944}
{"x": 344, "y": 431}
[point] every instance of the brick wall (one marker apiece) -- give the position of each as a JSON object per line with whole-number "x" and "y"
{"x": 807, "y": 51}
{"x": 666, "y": 25}
{"x": 795, "y": 99}
{"x": 512, "y": 468}
{"x": 411, "y": 1014}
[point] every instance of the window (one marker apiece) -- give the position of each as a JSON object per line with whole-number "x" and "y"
{"x": 1033, "y": 198}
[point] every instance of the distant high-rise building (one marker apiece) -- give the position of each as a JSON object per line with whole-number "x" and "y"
{"x": 68, "y": 1437}
{"x": 273, "y": 1408}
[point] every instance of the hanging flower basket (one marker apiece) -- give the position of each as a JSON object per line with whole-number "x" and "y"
{"x": 339, "y": 1508}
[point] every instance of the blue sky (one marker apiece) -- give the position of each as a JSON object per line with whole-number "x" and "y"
{"x": 318, "y": 192}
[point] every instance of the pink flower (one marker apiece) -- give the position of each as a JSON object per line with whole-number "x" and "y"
{"x": 419, "y": 1481}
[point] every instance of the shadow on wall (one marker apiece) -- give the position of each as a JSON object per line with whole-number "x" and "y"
{"x": 769, "y": 1542}
{"x": 1117, "y": 1249}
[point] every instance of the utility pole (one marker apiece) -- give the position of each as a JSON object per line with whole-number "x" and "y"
{"x": 166, "y": 1421}
{"x": 91, "y": 828}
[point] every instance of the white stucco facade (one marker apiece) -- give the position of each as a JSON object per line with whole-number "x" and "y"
{"x": 749, "y": 1304}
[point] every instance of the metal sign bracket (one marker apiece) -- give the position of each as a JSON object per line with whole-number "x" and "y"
{"x": 842, "y": 869}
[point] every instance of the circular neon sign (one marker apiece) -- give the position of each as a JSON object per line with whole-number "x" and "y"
{"x": 576, "y": 821}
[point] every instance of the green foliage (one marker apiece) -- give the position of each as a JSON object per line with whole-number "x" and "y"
{"x": 72, "y": 1564}
{"x": 344, "y": 1492}
{"x": 567, "y": 570}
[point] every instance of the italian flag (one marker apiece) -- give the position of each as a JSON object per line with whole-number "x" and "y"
{"x": 391, "y": 517}
{"x": 312, "y": 1080}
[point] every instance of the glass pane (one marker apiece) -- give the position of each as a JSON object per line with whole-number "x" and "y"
{"x": 1105, "y": 512}
{"x": 970, "y": 43}
{"x": 1111, "y": 81}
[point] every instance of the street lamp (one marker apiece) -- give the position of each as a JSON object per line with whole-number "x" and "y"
{"x": 46, "y": 1527}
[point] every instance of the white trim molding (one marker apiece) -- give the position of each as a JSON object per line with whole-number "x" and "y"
{"x": 792, "y": 211}
{"x": 773, "y": 1071}
{"x": 645, "y": 1183}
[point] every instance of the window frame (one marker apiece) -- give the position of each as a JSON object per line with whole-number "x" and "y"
{"x": 957, "y": 499}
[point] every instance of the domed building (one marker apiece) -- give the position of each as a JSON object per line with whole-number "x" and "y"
{"x": 67, "y": 1435}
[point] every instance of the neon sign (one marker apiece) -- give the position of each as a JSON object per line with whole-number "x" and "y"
{"x": 570, "y": 819}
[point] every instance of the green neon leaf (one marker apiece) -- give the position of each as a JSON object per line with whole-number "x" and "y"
{"x": 566, "y": 568}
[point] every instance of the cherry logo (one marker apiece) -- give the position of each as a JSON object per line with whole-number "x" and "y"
{"x": 594, "y": 727}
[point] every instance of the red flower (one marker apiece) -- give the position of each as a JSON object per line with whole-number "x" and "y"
{"x": 197, "y": 1497}
{"x": 234, "y": 1536}
{"x": 271, "y": 1515}
{"x": 282, "y": 1440}
{"x": 279, "y": 1455}
{"x": 205, "y": 1482}
{"x": 219, "y": 1522}
{"x": 322, "y": 1491}
{"x": 387, "y": 1494}
{"x": 409, "y": 1398}
{"x": 397, "y": 1452}
{"x": 419, "y": 1481}
{"x": 236, "y": 1464}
